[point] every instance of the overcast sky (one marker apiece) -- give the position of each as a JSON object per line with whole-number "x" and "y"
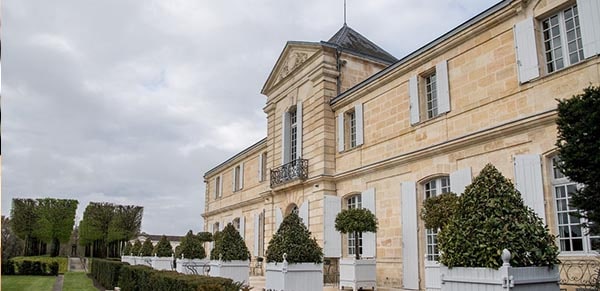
{"x": 131, "y": 102}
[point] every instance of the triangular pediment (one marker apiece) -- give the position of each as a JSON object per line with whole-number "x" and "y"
{"x": 293, "y": 56}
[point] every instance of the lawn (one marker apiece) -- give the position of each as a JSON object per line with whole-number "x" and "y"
{"x": 78, "y": 282}
{"x": 62, "y": 261}
{"x": 20, "y": 283}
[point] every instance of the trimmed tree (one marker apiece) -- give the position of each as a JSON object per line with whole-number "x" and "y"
{"x": 205, "y": 236}
{"x": 128, "y": 249}
{"x": 578, "y": 125}
{"x": 137, "y": 247}
{"x": 230, "y": 246}
{"x": 491, "y": 217}
{"x": 356, "y": 221}
{"x": 294, "y": 239}
{"x": 438, "y": 210}
{"x": 55, "y": 222}
{"x": 163, "y": 247}
{"x": 191, "y": 247}
{"x": 147, "y": 248}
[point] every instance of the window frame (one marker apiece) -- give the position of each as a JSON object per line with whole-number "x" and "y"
{"x": 293, "y": 118}
{"x": 354, "y": 201}
{"x": 350, "y": 129}
{"x": 236, "y": 176}
{"x": 563, "y": 42}
{"x": 217, "y": 187}
{"x": 264, "y": 169}
{"x": 430, "y": 189}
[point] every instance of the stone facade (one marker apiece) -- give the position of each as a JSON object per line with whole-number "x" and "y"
{"x": 494, "y": 112}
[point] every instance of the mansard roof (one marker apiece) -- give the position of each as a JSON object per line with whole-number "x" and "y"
{"x": 350, "y": 40}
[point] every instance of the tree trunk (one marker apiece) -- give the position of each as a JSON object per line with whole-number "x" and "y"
{"x": 356, "y": 246}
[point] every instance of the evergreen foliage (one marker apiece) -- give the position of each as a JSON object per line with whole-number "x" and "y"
{"x": 12, "y": 245}
{"x": 491, "y": 217}
{"x": 356, "y": 220}
{"x": 147, "y": 248}
{"x": 56, "y": 218}
{"x": 191, "y": 247}
{"x": 163, "y": 248}
{"x": 205, "y": 236}
{"x": 578, "y": 144}
{"x": 127, "y": 250}
{"x": 24, "y": 217}
{"x": 137, "y": 247}
{"x": 294, "y": 239}
{"x": 230, "y": 246}
{"x": 438, "y": 210}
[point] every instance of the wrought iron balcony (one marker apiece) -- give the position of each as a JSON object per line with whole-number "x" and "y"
{"x": 292, "y": 171}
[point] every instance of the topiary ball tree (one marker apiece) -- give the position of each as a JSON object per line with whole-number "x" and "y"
{"x": 147, "y": 248}
{"x": 491, "y": 217}
{"x": 439, "y": 209}
{"x": 137, "y": 247}
{"x": 163, "y": 248}
{"x": 127, "y": 249}
{"x": 294, "y": 239}
{"x": 191, "y": 247}
{"x": 230, "y": 246}
{"x": 356, "y": 221}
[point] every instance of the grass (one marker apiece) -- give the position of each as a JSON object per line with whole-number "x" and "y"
{"x": 20, "y": 283}
{"x": 62, "y": 261}
{"x": 78, "y": 281}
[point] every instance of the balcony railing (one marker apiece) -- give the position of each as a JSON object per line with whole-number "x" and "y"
{"x": 292, "y": 171}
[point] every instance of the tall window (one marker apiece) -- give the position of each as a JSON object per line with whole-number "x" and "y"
{"x": 215, "y": 227}
{"x": 263, "y": 165}
{"x": 350, "y": 129}
{"x": 572, "y": 236}
{"x": 433, "y": 188}
{"x": 562, "y": 39}
{"x": 431, "y": 95}
{"x": 293, "y": 134}
{"x": 236, "y": 223}
{"x": 217, "y": 187}
{"x": 354, "y": 202}
{"x": 236, "y": 183}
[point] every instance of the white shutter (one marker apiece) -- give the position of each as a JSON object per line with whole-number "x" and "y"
{"x": 459, "y": 180}
{"x": 299, "y": 130}
{"x": 241, "y": 182}
{"x": 413, "y": 92}
{"x": 285, "y": 138}
{"x": 369, "y": 238}
{"x": 340, "y": 126}
{"x": 358, "y": 113}
{"x": 278, "y": 218}
{"x": 212, "y": 231}
{"x": 526, "y": 51}
{"x": 528, "y": 180}
{"x": 233, "y": 179}
{"x": 256, "y": 233}
{"x": 443, "y": 89}
{"x": 216, "y": 188}
{"x": 260, "y": 167}
{"x": 332, "y": 239}
{"x": 589, "y": 19}
{"x": 221, "y": 186}
{"x": 410, "y": 243}
{"x": 303, "y": 213}
{"x": 242, "y": 229}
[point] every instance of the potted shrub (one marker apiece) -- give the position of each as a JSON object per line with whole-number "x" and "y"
{"x": 230, "y": 256}
{"x": 191, "y": 255}
{"x": 357, "y": 272}
{"x": 494, "y": 242}
{"x": 146, "y": 253}
{"x": 163, "y": 255}
{"x": 135, "y": 252}
{"x": 294, "y": 259}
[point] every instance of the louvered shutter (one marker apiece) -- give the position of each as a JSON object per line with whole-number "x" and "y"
{"x": 285, "y": 138}
{"x": 241, "y": 181}
{"x": 242, "y": 227}
{"x": 413, "y": 92}
{"x": 443, "y": 89}
{"x": 303, "y": 212}
{"x": 410, "y": 243}
{"x": 528, "y": 180}
{"x": 216, "y": 188}
{"x": 299, "y": 130}
{"x": 340, "y": 126}
{"x": 332, "y": 239}
{"x": 221, "y": 186}
{"x": 256, "y": 233}
{"x": 369, "y": 238}
{"x": 233, "y": 180}
{"x": 526, "y": 51}
{"x": 358, "y": 113}
{"x": 278, "y": 218}
{"x": 459, "y": 180}
{"x": 589, "y": 19}
{"x": 260, "y": 167}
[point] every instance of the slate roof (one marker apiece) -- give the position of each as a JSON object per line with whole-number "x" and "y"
{"x": 350, "y": 40}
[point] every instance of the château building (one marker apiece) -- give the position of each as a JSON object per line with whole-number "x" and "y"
{"x": 349, "y": 125}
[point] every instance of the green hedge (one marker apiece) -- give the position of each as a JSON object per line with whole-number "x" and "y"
{"x": 142, "y": 278}
{"x": 35, "y": 268}
{"x": 61, "y": 261}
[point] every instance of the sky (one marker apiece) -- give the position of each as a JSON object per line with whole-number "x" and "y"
{"x": 131, "y": 102}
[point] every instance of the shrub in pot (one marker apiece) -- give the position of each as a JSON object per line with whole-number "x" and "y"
{"x": 354, "y": 272}
{"x": 294, "y": 258}
{"x": 137, "y": 247}
{"x": 230, "y": 256}
{"x": 190, "y": 255}
{"x": 127, "y": 257}
{"x": 146, "y": 253}
{"x": 163, "y": 255}
{"x": 490, "y": 217}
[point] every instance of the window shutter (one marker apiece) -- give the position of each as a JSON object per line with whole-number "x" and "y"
{"x": 332, "y": 239}
{"x": 216, "y": 187}
{"x": 528, "y": 180}
{"x": 241, "y": 182}
{"x": 589, "y": 19}
{"x": 299, "y": 130}
{"x": 256, "y": 233}
{"x": 413, "y": 92}
{"x": 410, "y": 243}
{"x": 285, "y": 138}
{"x": 341, "y": 143}
{"x": 369, "y": 238}
{"x": 260, "y": 166}
{"x": 233, "y": 179}
{"x": 242, "y": 229}
{"x": 303, "y": 213}
{"x": 443, "y": 89}
{"x": 278, "y": 218}
{"x": 221, "y": 186}
{"x": 526, "y": 51}
{"x": 358, "y": 113}
{"x": 212, "y": 231}
{"x": 459, "y": 180}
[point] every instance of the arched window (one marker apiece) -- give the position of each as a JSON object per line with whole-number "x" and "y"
{"x": 292, "y": 208}
{"x": 354, "y": 201}
{"x": 432, "y": 188}
{"x": 236, "y": 223}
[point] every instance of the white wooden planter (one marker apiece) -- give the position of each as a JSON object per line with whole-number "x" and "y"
{"x": 128, "y": 259}
{"x": 238, "y": 271}
{"x": 192, "y": 266}
{"x": 293, "y": 277}
{"x": 505, "y": 278}
{"x": 143, "y": 261}
{"x": 358, "y": 273}
{"x": 162, "y": 263}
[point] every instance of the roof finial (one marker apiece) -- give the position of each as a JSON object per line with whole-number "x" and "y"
{"x": 344, "y": 12}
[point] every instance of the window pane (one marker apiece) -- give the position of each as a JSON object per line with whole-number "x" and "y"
{"x": 577, "y": 245}
{"x": 565, "y": 245}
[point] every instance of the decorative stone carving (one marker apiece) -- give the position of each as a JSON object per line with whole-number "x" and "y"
{"x": 291, "y": 63}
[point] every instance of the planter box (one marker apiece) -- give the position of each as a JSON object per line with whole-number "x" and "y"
{"x": 162, "y": 263}
{"x": 192, "y": 266}
{"x": 238, "y": 271}
{"x": 128, "y": 259}
{"x": 358, "y": 273}
{"x": 143, "y": 261}
{"x": 294, "y": 277}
